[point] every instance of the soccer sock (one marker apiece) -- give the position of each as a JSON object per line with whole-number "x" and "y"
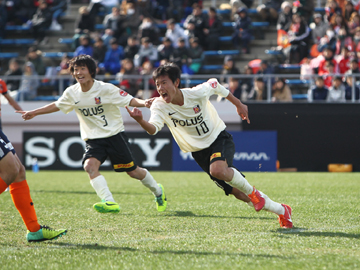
{"x": 20, "y": 194}
{"x": 100, "y": 185}
{"x": 240, "y": 183}
{"x": 272, "y": 206}
{"x": 3, "y": 186}
{"x": 151, "y": 184}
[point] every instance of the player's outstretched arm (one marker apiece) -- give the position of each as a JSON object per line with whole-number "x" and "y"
{"x": 137, "y": 115}
{"x": 135, "y": 102}
{"x": 27, "y": 115}
{"x": 241, "y": 108}
{"x": 12, "y": 102}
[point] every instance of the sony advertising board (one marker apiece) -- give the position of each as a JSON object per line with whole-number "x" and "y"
{"x": 64, "y": 150}
{"x": 255, "y": 151}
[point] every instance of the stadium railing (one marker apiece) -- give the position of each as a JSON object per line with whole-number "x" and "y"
{"x": 57, "y": 84}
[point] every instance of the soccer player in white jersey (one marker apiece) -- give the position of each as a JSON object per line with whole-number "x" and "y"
{"x": 97, "y": 106}
{"x": 197, "y": 128}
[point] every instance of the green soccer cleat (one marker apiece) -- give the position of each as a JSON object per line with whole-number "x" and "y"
{"x": 161, "y": 200}
{"x": 45, "y": 233}
{"x": 107, "y": 207}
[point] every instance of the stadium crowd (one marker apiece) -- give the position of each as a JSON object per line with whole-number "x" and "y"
{"x": 131, "y": 42}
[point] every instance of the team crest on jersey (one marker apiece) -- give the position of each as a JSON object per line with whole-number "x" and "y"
{"x": 197, "y": 109}
{"x": 123, "y": 93}
{"x": 213, "y": 83}
{"x": 97, "y": 100}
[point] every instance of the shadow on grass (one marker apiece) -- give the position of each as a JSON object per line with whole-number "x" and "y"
{"x": 191, "y": 214}
{"x": 84, "y": 192}
{"x": 308, "y": 233}
{"x": 175, "y": 252}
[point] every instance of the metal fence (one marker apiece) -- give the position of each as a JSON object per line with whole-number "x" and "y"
{"x": 57, "y": 84}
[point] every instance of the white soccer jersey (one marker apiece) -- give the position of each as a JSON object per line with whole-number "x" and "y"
{"x": 196, "y": 124}
{"x": 98, "y": 109}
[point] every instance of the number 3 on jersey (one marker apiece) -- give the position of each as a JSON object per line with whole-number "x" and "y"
{"x": 106, "y": 123}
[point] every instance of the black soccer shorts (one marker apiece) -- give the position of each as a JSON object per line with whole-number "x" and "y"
{"x": 223, "y": 148}
{"x": 5, "y": 145}
{"x": 116, "y": 148}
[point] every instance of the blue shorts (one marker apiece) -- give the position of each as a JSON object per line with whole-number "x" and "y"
{"x": 5, "y": 146}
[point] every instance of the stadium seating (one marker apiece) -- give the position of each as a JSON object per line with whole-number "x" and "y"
{"x": 17, "y": 41}
{"x": 56, "y": 54}
{"x": 6, "y": 55}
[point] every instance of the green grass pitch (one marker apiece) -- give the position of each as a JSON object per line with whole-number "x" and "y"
{"x": 201, "y": 229}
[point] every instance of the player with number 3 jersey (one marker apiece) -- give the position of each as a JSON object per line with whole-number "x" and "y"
{"x": 97, "y": 106}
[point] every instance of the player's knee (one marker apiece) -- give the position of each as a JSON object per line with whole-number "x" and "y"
{"x": 138, "y": 173}
{"x": 218, "y": 172}
{"x": 90, "y": 166}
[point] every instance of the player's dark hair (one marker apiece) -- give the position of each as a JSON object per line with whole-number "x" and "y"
{"x": 170, "y": 69}
{"x": 81, "y": 61}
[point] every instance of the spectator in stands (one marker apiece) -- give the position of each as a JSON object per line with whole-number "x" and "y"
{"x": 328, "y": 56}
{"x": 147, "y": 52}
{"x": 190, "y": 31}
{"x": 246, "y": 83}
{"x": 259, "y": 92}
{"x": 29, "y": 83}
{"x": 84, "y": 21}
{"x": 242, "y": 34}
{"x": 348, "y": 88}
{"x": 348, "y": 10}
{"x": 58, "y": 7}
{"x": 113, "y": 57}
{"x": 328, "y": 74}
{"x": 174, "y": 32}
{"x": 23, "y": 10}
{"x": 266, "y": 69}
{"x": 269, "y": 11}
{"x": 14, "y": 70}
{"x": 285, "y": 17}
{"x": 344, "y": 60}
{"x": 63, "y": 70}
{"x": 198, "y": 18}
{"x": 328, "y": 41}
{"x": 128, "y": 84}
{"x": 305, "y": 8}
{"x": 319, "y": 28}
{"x": 281, "y": 91}
{"x": 228, "y": 68}
{"x": 41, "y": 22}
{"x": 165, "y": 49}
{"x": 353, "y": 23}
{"x": 306, "y": 70}
{"x": 354, "y": 69}
{"x": 35, "y": 56}
{"x": 195, "y": 54}
{"x": 336, "y": 91}
{"x": 298, "y": 37}
{"x": 212, "y": 30}
{"x": 85, "y": 46}
{"x": 331, "y": 8}
{"x": 3, "y": 18}
{"x": 337, "y": 22}
{"x": 319, "y": 91}
{"x": 131, "y": 48}
{"x": 133, "y": 19}
{"x": 344, "y": 41}
{"x": 149, "y": 29}
{"x": 96, "y": 6}
{"x": 99, "y": 50}
{"x": 147, "y": 70}
{"x": 234, "y": 87}
{"x": 113, "y": 26}
{"x": 181, "y": 56}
